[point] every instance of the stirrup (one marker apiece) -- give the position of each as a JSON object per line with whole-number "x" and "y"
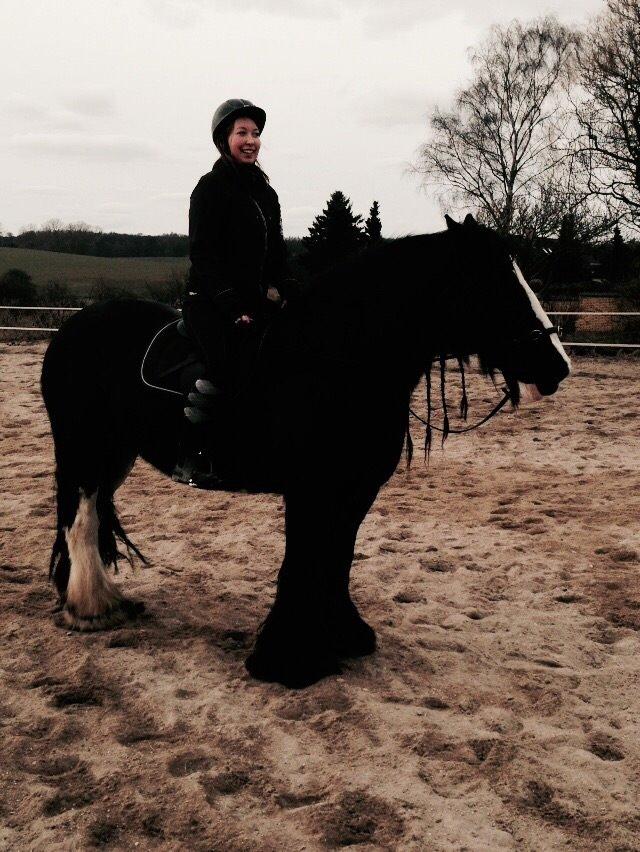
{"x": 190, "y": 472}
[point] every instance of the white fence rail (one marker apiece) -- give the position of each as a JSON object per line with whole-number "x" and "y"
{"x": 550, "y": 313}
{"x": 583, "y": 344}
{"x": 31, "y": 308}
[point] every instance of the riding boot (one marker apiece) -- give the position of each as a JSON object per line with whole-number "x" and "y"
{"x": 195, "y": 465}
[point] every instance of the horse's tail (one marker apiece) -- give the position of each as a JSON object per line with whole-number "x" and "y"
{"x": 67, "y": 501}
{"x": 111, "y": 531}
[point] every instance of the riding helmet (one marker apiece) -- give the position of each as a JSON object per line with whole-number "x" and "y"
{"x": 235, "y": 107}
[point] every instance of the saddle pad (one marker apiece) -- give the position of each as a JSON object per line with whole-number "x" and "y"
{"x": 171, "y": 362}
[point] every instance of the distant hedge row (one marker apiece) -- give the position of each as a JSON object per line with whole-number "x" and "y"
{"x": 17, "y": 288}
{"x": 80, "y": 240}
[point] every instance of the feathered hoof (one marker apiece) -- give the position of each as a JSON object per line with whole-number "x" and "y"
{"x": 293, "y": 672}
{"x": 355, "y": 640}
{"x": 352, "y": 636}
{"x": 118, "y": 614}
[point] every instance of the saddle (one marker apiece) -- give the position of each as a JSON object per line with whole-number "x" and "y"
{"x": 172, "y": 363}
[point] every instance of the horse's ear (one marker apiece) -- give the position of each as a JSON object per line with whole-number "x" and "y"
{"x": 469, "y": 221}
{"x": 451, "y": 223}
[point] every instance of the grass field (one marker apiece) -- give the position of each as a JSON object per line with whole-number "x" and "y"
{"x": 82, "y": 273}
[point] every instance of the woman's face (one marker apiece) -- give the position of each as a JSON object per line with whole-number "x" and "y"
{"x": 244, "y": 141}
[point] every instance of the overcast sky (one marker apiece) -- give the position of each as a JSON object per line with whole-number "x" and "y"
{"x": 106, "y": 106}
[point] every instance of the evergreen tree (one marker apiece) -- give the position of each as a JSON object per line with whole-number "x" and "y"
{"x": 570, "y": 257}
{"x": 335, "y": 234}
{"x": 616, "y": 258}
{"x": 373, "y": 225}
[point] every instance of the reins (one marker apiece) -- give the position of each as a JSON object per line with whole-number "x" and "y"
{"x": 446, "y": 429}
{"x": 494, "y": 411}
{"x": 532, "y": 338}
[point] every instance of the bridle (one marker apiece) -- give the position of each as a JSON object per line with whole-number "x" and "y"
{"x": 533, "y": 337}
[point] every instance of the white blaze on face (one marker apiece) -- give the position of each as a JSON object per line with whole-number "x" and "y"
{"x": 540, "y": 313}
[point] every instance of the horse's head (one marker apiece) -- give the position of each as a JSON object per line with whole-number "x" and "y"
{"x": 501, "y": 316}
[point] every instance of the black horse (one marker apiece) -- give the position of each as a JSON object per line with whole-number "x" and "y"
{"x": 366, "y": 330}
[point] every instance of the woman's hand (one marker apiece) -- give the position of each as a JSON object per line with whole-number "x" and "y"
{"x": 245, "y": 319}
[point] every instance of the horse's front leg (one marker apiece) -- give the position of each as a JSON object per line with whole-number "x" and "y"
{"x": 313, "y": 621}
{"x": 291, "y": 647}
{"x": 351, "y": 635}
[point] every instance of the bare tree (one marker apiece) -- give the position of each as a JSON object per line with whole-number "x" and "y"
{"x": 500, "y": 147}
{"x": 608, "y": 114}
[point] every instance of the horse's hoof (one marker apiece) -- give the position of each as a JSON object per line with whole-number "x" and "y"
{"x": 352, "y": 636}
{"x": 118, "y": 614}
{"x": 293, "y": 674}
{"x": 358, "y": 642}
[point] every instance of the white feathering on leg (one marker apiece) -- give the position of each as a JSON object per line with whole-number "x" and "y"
{"x": 90, "y": 593}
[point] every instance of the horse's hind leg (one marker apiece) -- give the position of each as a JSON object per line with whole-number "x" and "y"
{"x": 92, "y": 601}
{"x": 85, "y": 543}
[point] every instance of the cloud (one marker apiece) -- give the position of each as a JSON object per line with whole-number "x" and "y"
{"x": 186, "y": 13}
{"x": 170, "y": 197}
{"x": 383, "y": 19}
{"x": 94, "y": 104}
{"x": 84, "y": 145}
{"x": 66, "y": 113}
{"x": 46, "y": 190}
{"x": 302, "y": 210}
{"x": 120, "y": 207}
{"x": 23, "y": 107}
{"x": 291, "y": 8}
{"x": 379, "y": 18}
{"x": 393, "y": 110}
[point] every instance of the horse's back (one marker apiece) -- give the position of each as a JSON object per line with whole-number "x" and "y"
{"x": 112, "y": 335}
{"x": 91, "y": 369}
{"x": 122, "y": 323}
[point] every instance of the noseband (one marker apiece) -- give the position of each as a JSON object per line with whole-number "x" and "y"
{"x": 534, "y": 337}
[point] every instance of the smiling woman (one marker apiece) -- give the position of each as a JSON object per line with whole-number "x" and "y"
{"x": 244, "y": 141}
{"x": 237, "y": 253}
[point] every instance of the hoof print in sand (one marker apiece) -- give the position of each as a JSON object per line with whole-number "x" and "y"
{"x": 224, "y": 784}
{"x": 606, "y": 748}
{"x": 103, "y": 834}
{"x": 53, "y": 767}
{"x": 291, "y": 801}
{"x": 14, "y": 575}
{"x": 124, "y": 639}
{"x": 188, "y": 763}
{"x": 77, "y": 789}
{"x": 358, "y": 818}
{"x": 78, "y": 696}
{"x": 434, "y": 703}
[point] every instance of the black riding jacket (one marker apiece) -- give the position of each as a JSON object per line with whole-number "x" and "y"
{"x": 236, "y": 244}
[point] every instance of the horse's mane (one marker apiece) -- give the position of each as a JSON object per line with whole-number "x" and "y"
{"x": 365, "y": 275}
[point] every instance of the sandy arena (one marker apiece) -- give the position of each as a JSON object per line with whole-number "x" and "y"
{"x": 501, "y": 711}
